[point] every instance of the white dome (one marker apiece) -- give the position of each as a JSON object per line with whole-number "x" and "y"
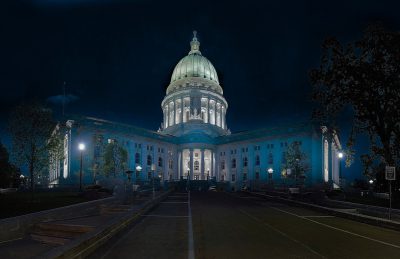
{"x": 194, "y": 65}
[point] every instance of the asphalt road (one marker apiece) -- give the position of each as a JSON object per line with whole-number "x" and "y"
{"x": 224, "y": 225}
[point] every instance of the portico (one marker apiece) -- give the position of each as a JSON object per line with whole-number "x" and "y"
{"x": 198, "y": 163}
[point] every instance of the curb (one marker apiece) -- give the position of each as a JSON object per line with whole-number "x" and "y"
{"x": 88, "y": 243}
{"x": 385, "y": 223}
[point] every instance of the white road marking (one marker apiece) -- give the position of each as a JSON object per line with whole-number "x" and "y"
{"x": 338, "y": 229}
{"x": 190, "y": 230}
{"x": 282, "y": 233}
{"x": 120, "y": 239}
{"x": 164, "y": 216}
{"x": 318, "y": 216}
{"x": 173, "y": 202}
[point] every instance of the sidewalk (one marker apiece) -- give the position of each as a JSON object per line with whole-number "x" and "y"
{"x": 53, "y": 236}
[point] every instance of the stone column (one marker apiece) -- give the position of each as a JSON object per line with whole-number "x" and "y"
{"x": 208, "y": 111}
{"x": 220, "y": 116}
{"x": 166, "y": 116}
{"x": 182, "y": 111}
{"x": 179, "y": 164}
{"x": 182, "y": 172}
{"x": 202, "y": 165}
{"x": 212, "y": 172}
{"x": 191, "y": 164}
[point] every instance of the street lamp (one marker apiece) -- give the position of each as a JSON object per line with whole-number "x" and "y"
{"x": 129, "y": 172}
{"x": 340, "y": 155}
{"x": 22, "y": 178}
{"x": 81, "y": 148}
{"x": 153, "y": 168}
{"x": 138, "y": 170}
{"x": 188, "y": 179}
{"x": 270, "y": 172}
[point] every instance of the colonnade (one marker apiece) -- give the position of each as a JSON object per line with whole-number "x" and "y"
{"x": 183, "y": 109}
{"x": 198, "y": 164}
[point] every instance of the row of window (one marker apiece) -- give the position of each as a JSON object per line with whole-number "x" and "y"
{"x": 149, "y": 161}
{"x": 244, "y": 176}
{"x": 245, "y": 161}
{"x": 258, "y": 148}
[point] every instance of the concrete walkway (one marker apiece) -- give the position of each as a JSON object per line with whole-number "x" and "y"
{"x": 47, "y": 236}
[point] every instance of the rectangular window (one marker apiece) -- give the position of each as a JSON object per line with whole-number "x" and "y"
{"x": 233, "y": 177}
{"x": 244, "y": 176}
{"x": 149, "y": 175}
{"x": 257, "y": 175}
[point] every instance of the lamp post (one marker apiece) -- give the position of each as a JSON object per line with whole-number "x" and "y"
{"x": 81, "y": 147}
{"x": 270, "y": 172}
{"x": 153, "y": 168}
{"x": 129, "y": 172}
{"x": 138, "y": 170}
{"x": 340, "y": 156}
{"x": 188, "y": 179}
{"x": 22, "y": 178}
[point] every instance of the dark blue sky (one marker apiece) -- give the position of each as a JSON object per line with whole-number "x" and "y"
{"x": 117, "y": 56}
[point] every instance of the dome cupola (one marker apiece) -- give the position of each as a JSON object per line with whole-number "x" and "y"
{"x": 194, "y": 101}
{"x": 194, "y": 65}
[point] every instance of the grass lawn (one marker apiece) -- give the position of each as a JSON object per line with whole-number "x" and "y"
{"x": 19, "y": 203}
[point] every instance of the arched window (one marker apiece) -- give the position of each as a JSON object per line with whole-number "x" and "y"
{"x": 245, "y": 162}
{"x": 283, "y": 157}
{"x": 149, "y": 160}
{"x": 222, "y": 165}
{"x": 234, "y": 163}
{"x": 196, "y": 165}
{"x": 137, "y": 158}
{"x": 270, "y": 159}
{"x": 257, "y": 160}
{"x": 160, "y": 161}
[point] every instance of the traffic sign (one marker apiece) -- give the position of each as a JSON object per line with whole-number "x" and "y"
{"x": 390, "y": 173}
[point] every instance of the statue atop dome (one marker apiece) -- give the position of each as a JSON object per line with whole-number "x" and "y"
{"x": 195, "y": 44}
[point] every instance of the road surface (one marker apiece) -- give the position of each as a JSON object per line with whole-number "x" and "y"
{"x": 221, "y": 225}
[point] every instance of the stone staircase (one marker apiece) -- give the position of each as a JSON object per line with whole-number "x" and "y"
{"x": 57, "y": 233}
{"x": 112, "y": 209}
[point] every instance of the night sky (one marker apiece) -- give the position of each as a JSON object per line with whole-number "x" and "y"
{"x": 117, "y": 57}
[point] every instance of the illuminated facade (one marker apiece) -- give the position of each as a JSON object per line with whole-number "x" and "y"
{"x": 194, "y": 140}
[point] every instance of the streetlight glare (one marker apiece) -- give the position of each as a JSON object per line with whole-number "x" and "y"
{"x": 340, "y": 155}
{"x": 81, "y": 146}
{"x": 138, "y": 168}
{"x": 371, "y": 181}
{"x": 270, "y": 170}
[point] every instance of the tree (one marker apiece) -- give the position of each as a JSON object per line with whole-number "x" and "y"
{"x": 9, "y": 173}
{"x": 295, "y": 162}
{"x": 364, "y": 75}
{"x": 34, "y": 138}
{"x": 115, "y": 159}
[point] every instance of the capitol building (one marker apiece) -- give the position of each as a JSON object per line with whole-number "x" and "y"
{"x": 194, "y": 141}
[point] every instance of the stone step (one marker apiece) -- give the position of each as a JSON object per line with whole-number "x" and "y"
{"x": 55, "y": 233}
{"x": 64, "y": 227}
{"x": 114, "y": 209}
{"x": 49, "y": 239}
